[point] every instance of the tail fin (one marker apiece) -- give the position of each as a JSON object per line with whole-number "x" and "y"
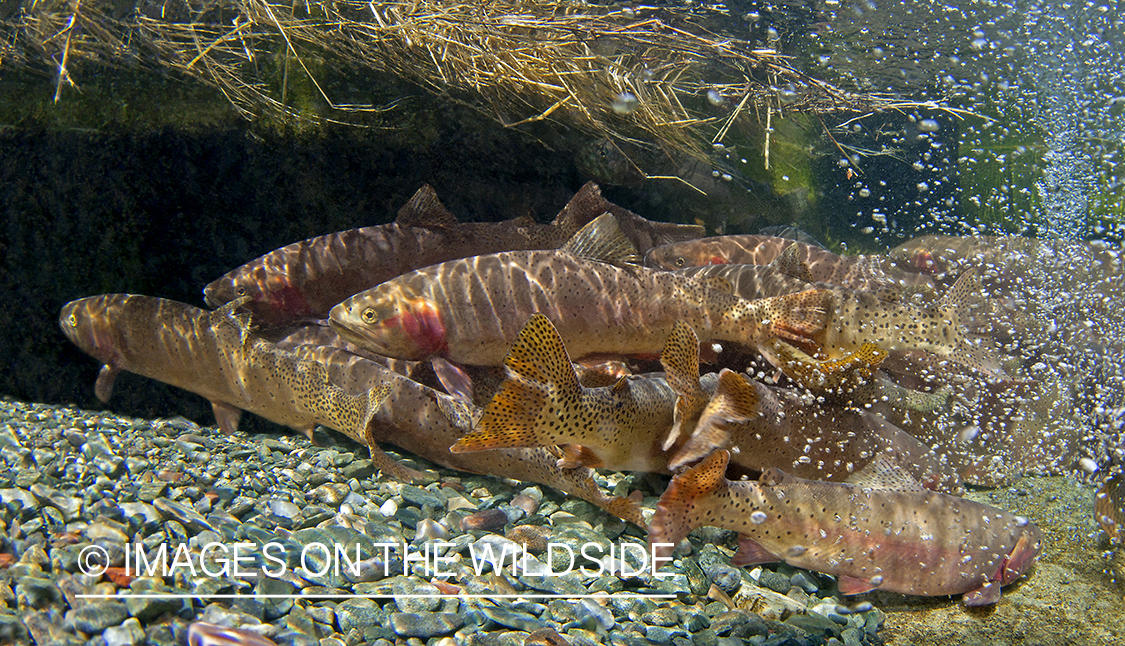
{"x": 685, "y": 503}
{"x": 627, "y": 508}
{"x": 520, "y": 413}
{"x": 838, "y": 376}
{"x": 735, "y": 402}
{"x": 979, "y": 353}
{"x": 680, "y": 359}
{"x": 800, "y": 318}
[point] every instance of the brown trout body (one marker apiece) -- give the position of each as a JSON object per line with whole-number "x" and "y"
{"x": 768, "y": 427}
{"x": 909, "y": 541}
{"x": 215, "y": 355}
{"x": 426, "y": 422}
{"x": 305, "y": 279}
{"x": 471, "y": 311}
{"x": 867, "y": 273}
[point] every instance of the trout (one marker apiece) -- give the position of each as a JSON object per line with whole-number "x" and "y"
{"x": 426, "y": 422}
{"x": 305, "y": 279}
{"x": 542, "y": 403}
{"x": 855, "y": 318}
{"x": 866, "y": 273}
{"x": 787, "y": 274}
{"x": 470, "y": 311}
{"x": 768, "y": 427}
{"x": 216, "y": 355}
{"x": 646, "y": 423}
{"x": 900, "y": 540}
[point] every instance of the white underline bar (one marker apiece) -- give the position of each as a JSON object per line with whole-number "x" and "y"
{"x": 388, "y": 595}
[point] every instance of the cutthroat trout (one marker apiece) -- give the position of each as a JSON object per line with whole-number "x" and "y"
{"x": 542, "y": 403}
{"x": 867, "y": 273}
{"x": 426, "y": 422}
{"x": 305, "y": 279}
{"x": 774, "y": 427}
{"x": 214, "y": 354}
{"x": 471, "y": 311}
{"x": 913, "y": 542}
{"x": 855, "y": 318}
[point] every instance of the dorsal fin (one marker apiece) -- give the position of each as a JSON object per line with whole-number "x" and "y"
{"x": 425, "y": 210}
{"x": 790, "y": 264}
{"x": 602, "y": 240}
{"x": 586, "y": 205}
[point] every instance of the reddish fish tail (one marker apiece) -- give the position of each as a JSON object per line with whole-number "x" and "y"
{"x": 735, "y": 402}
{"x": 685, "y": 503}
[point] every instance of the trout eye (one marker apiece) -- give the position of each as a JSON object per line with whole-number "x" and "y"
{"x": 368, "y": 315}
{"x": 680, "y": 262}
{"x": 240, "y": 290}
{"x": 72, "y": 320}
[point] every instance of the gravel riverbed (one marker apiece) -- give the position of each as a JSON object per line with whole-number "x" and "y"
{"x": 236, "y": 528}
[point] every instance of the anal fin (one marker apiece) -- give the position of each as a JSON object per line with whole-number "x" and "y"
{"x": 574, "y": 456}
{"x": 849, "y": 585}
{"x": 751, "y": 552}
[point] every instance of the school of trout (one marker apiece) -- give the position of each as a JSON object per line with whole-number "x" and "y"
{"x": 829, "y": 389}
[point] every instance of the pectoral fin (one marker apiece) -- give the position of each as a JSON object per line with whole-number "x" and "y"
{"x": 849, "y": 585}
{"x": 103, "y": 387}
{"x": 226, "y": 416}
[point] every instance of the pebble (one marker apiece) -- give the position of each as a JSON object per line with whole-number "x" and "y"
{"x": 425, "y": 624}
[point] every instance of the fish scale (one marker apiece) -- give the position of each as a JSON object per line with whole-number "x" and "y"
{"x": 901, "y": 540}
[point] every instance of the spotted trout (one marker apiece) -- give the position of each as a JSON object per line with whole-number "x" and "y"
{"x": 768, "y": 427}
{"x": 542, "y": 403}
{"x": 305, "y": 279}
{"x": 645, "y": 423}
{"x": 426, "y": 422}
{"x": 910, "y": 541}
{"x": 855, "y": 318}
{"x": 214, "y": 354}
{"x": 470, "y": 311}
{"x": 868, "y": 273}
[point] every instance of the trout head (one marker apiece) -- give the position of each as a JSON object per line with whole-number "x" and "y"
{"x": 396, "y": 325}
{"x": 87, "y": 323}
{"x": 1022, "y": 555}
{"x": 695, "y": 253}
{"x": 273, "y": 298}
